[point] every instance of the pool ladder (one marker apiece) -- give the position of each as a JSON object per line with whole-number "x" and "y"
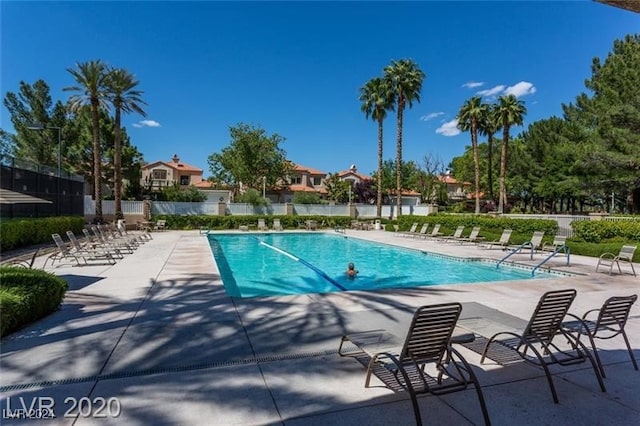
{"x": 528, "y": 244}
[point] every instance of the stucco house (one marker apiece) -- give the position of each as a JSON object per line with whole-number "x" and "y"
{"x": 160, "y": 174}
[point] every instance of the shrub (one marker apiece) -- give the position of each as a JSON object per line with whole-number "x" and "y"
{"x": 233, "y": 222}
{"x": 489, "y": 224}
{"x": 27, "y": 232}
{"x": 600, "y": 230}
{"x": 27, "y": 295}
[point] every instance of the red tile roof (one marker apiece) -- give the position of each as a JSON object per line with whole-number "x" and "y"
{"x": 301, "y": 168}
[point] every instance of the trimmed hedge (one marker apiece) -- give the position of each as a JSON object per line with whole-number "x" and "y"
{"x": 27, "y": 295}
{"x": 27, "y": 232}
{"x": 599, "y": 230}
{"x": 233, "y": 222}
{"x": 488, "y": 224}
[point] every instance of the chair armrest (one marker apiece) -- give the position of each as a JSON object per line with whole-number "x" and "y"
{"x": 605, "y": 255}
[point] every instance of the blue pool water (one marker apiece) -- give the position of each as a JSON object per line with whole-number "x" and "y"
{"x": 253, "y": 265}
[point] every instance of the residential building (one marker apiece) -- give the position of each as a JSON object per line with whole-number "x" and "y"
{"x": 456, "y": 190}
{"x": 303, "y": 179}
{"x": 161, "y": 174}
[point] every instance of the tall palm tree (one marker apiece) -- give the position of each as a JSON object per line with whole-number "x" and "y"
{"x": 510, "y": 111}
{"x": 469, "y": 118}
{"x": 91, "y": 79}
{"x": 377, "y": 99}
{"x": 404, "y": 77}
{"x": 489, "y": 126}
{"x": 122, "y": 93}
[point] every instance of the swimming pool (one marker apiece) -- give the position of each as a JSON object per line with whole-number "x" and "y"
{"x": 253, "y": 265}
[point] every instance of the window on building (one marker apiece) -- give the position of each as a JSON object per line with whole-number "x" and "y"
{"x": 296, "y": 180}
{"x": 184, "y": 180}
{"x": 159, "y": 174}
{"x": 316, "y": 181}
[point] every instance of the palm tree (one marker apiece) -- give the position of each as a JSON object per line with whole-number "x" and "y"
{"x": 469, "y": 118}
{"x": 510, "y": 111}
{"x": 91, "y": 78}
{"x": 488, "y": 126}
{"x": 377, "y": 99}
{"x": 404, "y": 78}
{"x": 121, "y": 91}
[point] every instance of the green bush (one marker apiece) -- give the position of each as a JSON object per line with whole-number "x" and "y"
{"x": 27, "y": 295}
{"x": 26, "y": 232}
{"x": 600, "y": 230}
{"x": 489, "y": 225}
{"x": 233, "y": 222}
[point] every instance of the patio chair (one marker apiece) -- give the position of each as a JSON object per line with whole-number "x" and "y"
{"x": 422, "y": 231}
{"x": 610, "y": 259}
{"x": 411, "y": 230}
{"x": 161, "y": 225}
{"x": 455, "y": 236}
{"x": 103, "y": 239}
{"x": 426, "y": 362}
{"x": 25, "y": 262}
{"x": 611, "y": 320}
{"x": 502, "y": 242}
{"x": 539, "y": 334}
{"x": 435, "y": 232}
{"x": 277, "y": 226}
{"x": 473, "y": 237}
{"x": 262, "y": 226}
{"x": 558, "y": 242}
{"x": 91, "y": 244}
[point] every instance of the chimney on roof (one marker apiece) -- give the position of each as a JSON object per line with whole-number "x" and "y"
{"x": 175, "y": 158}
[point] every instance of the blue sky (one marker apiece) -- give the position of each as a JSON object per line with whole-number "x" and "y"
{"x": 295, "y": 68}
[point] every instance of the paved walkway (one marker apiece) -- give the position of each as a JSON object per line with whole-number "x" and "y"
{"x": 156, "y": 340}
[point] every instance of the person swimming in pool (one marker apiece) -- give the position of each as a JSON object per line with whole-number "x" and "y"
{"x": 351, "y": 270}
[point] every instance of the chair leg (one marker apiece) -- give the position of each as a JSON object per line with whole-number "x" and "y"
{"x": 633, "y": 358}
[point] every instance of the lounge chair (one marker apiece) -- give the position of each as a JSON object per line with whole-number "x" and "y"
{"x": 92, "y": 244}
{"x": 422, "y": 231}
{"x": 411, "y": 230}
{"x": 435, "y": 232}
{"x": 539, "y": 334}
{"x": 611, "y": 320}
{"x": 276, "y": 225}
{"x": 161, "y": 225}
{"x": 427, "y": 351}
{"x": 79, "y": 256}
{"x": 24, "y": 262}
{"x": 473, "y": 237}
{"x": 559, "y": 241}
{"x": 455, "y": 236}
{"x": 610, "y": 259}
{"x": 262, "y": 226}
{"x": 502, "y": 242}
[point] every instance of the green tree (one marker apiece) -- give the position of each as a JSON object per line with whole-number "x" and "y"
{"x": 91, "y": 79}
{"x": 123, "y": 95}
{"x": 611, "y": 118}
{"x": 32, "y": 105}
{"x": 377, "y": 99}
{"x": 338, "y": 190}
{"x": 251, "y": 156}
{"x": 510, "y": 111}
{"x": 469, "y": 116}
{"x": 405, "y": 78}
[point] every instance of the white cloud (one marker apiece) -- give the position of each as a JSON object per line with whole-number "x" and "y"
{"x": 493, "y": 91}
{"x": 146, "y": 123}
{"x": 450, "y": 128}
{"x": 520, "y": 89}
{"x": 473, "y": 84}
{"x": 431, "y": 116}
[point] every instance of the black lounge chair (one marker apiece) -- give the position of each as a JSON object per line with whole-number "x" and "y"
{"x": 611, "y": 320}
{"x": 25, "y": 262}
{"x": 428, "y": 345}
{"x": 539, "y": 334}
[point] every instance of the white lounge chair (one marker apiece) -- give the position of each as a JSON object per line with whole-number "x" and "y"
{"x": 276, "y": 225}
{"x": 262, "y": 226}
{"x": 501, "y": 243}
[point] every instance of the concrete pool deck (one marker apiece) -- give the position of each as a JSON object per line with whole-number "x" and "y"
{"x": 156, "y": 334}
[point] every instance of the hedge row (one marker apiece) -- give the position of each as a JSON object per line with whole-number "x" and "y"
{"x": 27, "y": 295}
{"x": 233, "y": 222}
{"x": 27, "y": 232}
{"x": 488, "y": 224}
{"x": 600, "y": 230}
